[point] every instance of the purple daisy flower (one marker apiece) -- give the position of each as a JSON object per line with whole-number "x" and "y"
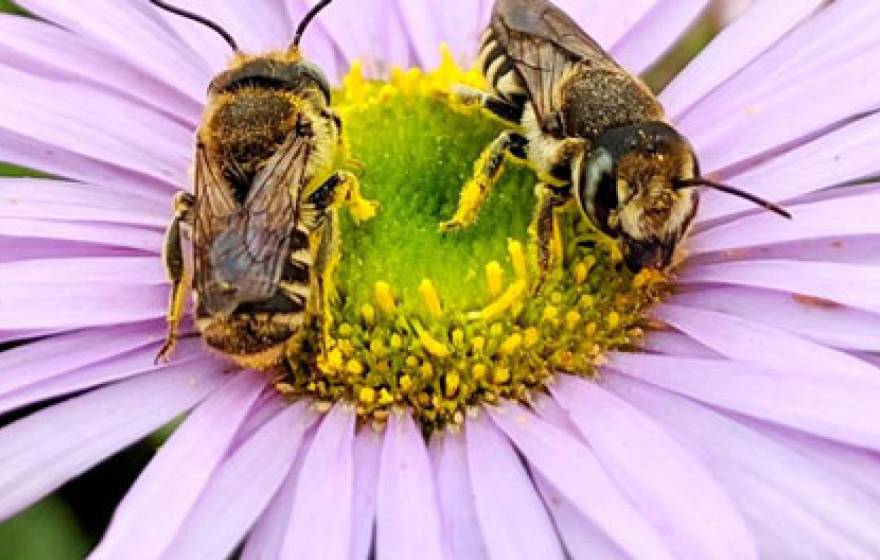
{"x": 746, "y": 425}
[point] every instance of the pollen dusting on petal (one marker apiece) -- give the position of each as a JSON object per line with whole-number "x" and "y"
{"x": 439, "y": 323}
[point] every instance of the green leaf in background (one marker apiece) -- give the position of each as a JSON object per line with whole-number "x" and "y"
{"x": 48, "y": 530}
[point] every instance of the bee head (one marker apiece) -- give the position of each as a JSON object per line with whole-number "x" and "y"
{"x": 627, "y": 188}
{"x": 275, "y": 71}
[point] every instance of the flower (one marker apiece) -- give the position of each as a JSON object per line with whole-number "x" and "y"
{"x": 745, "y": 425}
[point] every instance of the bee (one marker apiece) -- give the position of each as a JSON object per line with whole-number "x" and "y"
{"x": 593, "y": 133}
{"x": 262, "y": 215}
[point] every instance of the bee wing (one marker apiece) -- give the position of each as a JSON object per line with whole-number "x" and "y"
{"x": 543, "y": 42}
{"x": 241, "y": 249}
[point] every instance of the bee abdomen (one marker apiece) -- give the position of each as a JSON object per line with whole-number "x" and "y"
{"x": 500, "y": 70}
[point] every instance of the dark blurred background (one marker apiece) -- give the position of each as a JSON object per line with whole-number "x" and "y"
{"x": 67, "y": 524}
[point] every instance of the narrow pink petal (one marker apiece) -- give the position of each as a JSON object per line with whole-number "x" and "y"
{"x": 858, "y": 250}
{"x": 572, "y": 469}
{"x": 146, "y": 271}
{"x": 677, "y": 492}
{"x": 848, "y": 284}
{"x": 832, "y": 159}
{"x": 169, "y": 487}
{"x": 461, "y": 528}
{"x": 224, "y": 512}
{"x": 260, "y": 28}
{"x": 819, "y": 220}
{"x": 320, "y": 523}
{"x": 47, "y": 199}
{"x": 656, "y": 33}
{"x": 367, "y": 451}
{"x": 733, "y": 49}
{"x": 136, "y": 30}
{"x": 47, "y": 448}
{"x": 459, "y": 28}
{"x": 14, "y": 249}
{"x": 93, "y": 123}
{"x": 33, "y": 154}
{"x": 795, "y": 507}
{"x": 109, "y": 235}
{"x": 505, "y": 497}
{"x": 844, "y": 410}
{"x": 772, "y": 103}
{"x": 407, "y": 511}
{"x": 423, "y": 34}
{"x": 820, "y": 320}
{"x": 747, "y": 341}
{"x": 582, "y": 539}
{"x": 675, "y": 344}
{"x": 606, "y": 21}
{"x": 33, "y": 46}
{"x": 265, "y": 539}
{"x": 51, "y": 306}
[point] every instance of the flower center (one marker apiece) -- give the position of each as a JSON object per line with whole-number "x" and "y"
{"x": 435, "y": 322}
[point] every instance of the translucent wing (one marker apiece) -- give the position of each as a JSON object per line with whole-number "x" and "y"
{"x": 544, "y": 43}
{"x": 240, "y": 250}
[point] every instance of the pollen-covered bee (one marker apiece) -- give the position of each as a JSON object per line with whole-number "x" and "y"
{"x": 263, "y": 212}
{"x": 592, "y": 132}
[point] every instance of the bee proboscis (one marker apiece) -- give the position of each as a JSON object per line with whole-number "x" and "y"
{"x": 592, "y": 131}
{"x": 262, "y": 214}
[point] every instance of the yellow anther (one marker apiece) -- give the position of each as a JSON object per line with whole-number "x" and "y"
{"x": 335, "y": 359}
{"x": 427, "y": 370}
{"x": 354, "y": 367}
{"x": 346, "y": 347}
{"x": 385, "y": 397}
{"x": 458, "y": 338}
{"x": 494, "y": 278}
{"x": 412, "y": 361}
{"x": 613, "y": 320}
{"x": 433, "y": 346}
{"x": 531, "y": 337}
{"x": 368, "y": 313}
{"x": 353, "y": 82}
{"x": 550, "y": 313}
{"x": 501, "y": 375}
{"x": 367, "y": 395}
{"x": 432, "y": 299}
{"x": 513, "y": 294}
{"x": 478, "y": 371}
{"x": 572, "y": 318}
{"x": 377, "y": 347}
{"x": 478, "y": 343}
{"x": 580, "y": 273}
{"x": 452, "y": 383}
{"x": 511, "y": 344}
{"x": 396, "y": 341}
{"x": 384, "y": 297}
{"x": 517, "y": 259}
{"x": 406, "y": 383}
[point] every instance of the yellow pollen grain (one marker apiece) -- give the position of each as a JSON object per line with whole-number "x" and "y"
{"x": 385, "y": 397}
{"x": 377, "y": 347}
{"x": 494, "y": 278}
{"x": 517, "y": 259}
{"x": 405, "y": 383}
{"x": 396, "y": 341}
{"x": 354, "y": 367}
{"x": 572, "y": 318}
{"x": 501, "y": 375}
{"x": 613, "y": 320}
{"x": 335, "y": 359}
{"x": 453, "y": 381}
{"x": 478, "y": 371}
{"x": 412, "y": 361}
{"x": 458, "y": 338}
{"x": 580, "y": 273}
{"x": 367, "y": 395}
{"x": 431, "y": 345}
{"x": 550, "y": 313}
{"x": 384, "y": 297}
{"x": 368, "y": 313}
{"x": 478, "y": 343}
{"x": 511, "y": 344}
{"x": 510, "y": 296}
{"x": 586, "y": 301}
{"x": 427, "y": 370}
{"x": 431, "y": 298}
{"x": 531, "y": 337}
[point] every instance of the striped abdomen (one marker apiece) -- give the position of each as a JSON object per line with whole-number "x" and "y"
{"x": 499, "y": 70}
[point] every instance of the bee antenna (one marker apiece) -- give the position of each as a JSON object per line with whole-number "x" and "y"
{"x": 200, "y": 19}
{"x": 307, "y": 19}
{"x": 703, "y": 182}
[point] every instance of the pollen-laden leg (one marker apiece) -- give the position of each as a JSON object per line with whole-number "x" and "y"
{"x": 341, "y": 189}
{"x": 175, "y": 267}
{"x": 487, "y": 170}
{"x": 545, "y": 228}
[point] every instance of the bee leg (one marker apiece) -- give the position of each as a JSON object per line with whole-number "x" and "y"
{"x": 325, "y": 241}
{"x": 545, "y": 229}
{"x": 504, "y": 110}
{"x": 342, "y": 188}
{"x": 175, "y": 267}
{"x": 487, "y": 170}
